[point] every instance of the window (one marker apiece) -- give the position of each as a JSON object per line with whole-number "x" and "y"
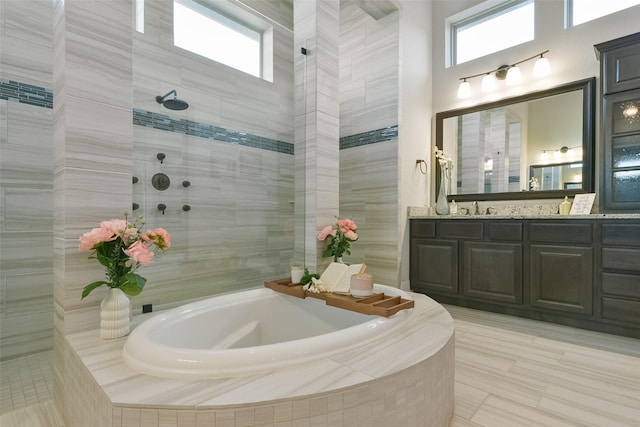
{"x": 227, "y": 35}
{"x": 490, "y": 30}
{"x": 581, "y": 11}
{"x": 140, "y": 16}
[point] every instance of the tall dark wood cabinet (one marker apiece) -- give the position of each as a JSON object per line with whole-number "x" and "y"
{"x": 620, "y": 129}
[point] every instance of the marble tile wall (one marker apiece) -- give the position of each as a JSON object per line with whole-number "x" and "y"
{"x": 317, "y": 118}
{"x": 369, "y": 70}
{"x": 369, "y": 75}
{"x": 92, "y": 157}
{"x": 26, "y": 223}
{"x": 26, "y": 175}
{"x": 234, "y": 144}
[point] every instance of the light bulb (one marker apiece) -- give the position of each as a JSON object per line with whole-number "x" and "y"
{"x": 514, "y": 76}
{"x": 541, "y": 68}
{"x": 488, "y": 83}
{"x": 464, "y": 90}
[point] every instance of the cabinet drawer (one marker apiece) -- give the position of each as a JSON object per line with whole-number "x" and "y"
{"x": 423, "y": 228}
{"x": 561, "y": 232}
{"x": 621, "y": 259}
{"x": 626, "y": 285}
{"x": 621, "y": 234}
{"x": 621, "y": 310}
{"x": 461, "y": 229}
{"x": 505, "y": 231}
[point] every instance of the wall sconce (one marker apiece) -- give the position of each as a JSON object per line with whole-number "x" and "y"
{"x": 510, "y": 73}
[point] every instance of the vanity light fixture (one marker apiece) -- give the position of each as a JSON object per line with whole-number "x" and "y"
{"x": 488, "y": 83}
{"x": 464, "y": 90}
{"x": 510, "y": 73}
{"x": 562, "y": 151}
{"x": 541, "y": 68}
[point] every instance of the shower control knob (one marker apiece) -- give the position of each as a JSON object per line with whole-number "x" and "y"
{"x": 185, "y": 184}
{"x": 162, "y": 207}
{"x": 161, "y": 157}
{"x": 186, "y": 208}
{"x": 135, "y": 206}
{"x": 135, "y": 179}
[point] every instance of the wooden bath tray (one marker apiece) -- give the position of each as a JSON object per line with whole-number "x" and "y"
{"x": 377, "y": 304}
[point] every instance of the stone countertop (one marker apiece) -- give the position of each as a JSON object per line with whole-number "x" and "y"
{"x": 524, "y": 212}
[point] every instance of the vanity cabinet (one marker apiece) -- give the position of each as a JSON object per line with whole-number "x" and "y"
{"x": 561, "y": 277}
{"x": 621, "y": 273}
{"x": 620, "y": 130}
{"x": 578, "y": 272}
{"x": 476, "y": 260}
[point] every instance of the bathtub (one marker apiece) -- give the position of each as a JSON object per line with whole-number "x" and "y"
{"x": 251, "y": 332}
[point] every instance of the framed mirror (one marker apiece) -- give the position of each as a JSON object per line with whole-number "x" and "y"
{"x": 534, "y": 146}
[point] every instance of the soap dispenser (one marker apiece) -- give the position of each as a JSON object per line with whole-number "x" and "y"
{"x": 565, "y": 207}
{"x": 453, "y": 208}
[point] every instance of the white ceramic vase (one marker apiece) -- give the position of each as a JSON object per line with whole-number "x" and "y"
{"x": 115, "y": 315}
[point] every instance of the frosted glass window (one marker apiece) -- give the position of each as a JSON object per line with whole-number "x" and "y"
{"x": 581, "y": 11}
{"x": 210, "y": 34}
{"x": 509, "y": 24}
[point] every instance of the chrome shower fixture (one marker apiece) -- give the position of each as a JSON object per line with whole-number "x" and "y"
{"x": 173, "y": 103}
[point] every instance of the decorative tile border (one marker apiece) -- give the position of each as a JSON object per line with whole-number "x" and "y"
{"x": 370, "y": 137}
{"x": 43, "y": 97}
{"x": 203, "y": 130}
{"x": 26, "y": 94}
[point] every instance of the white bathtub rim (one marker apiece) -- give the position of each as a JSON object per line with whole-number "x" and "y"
{"x": 243, "y": 358}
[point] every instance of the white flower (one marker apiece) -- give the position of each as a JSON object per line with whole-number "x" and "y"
{"x": 534, "y": 184}
{"x": 316, "y": 286}
{"x": 444, "y": 160}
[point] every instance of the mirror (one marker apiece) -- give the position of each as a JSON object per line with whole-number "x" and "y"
{"x": 533, "y": 146}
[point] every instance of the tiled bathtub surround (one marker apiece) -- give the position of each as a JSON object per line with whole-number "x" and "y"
{"x": 405, "y": 380}
{"x": 26, "y": 93}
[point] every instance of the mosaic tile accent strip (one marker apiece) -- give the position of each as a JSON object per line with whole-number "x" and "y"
{"x": 26, "y": 94}
{"x": 207, "y": 131}
{"x": 370, "y": 137}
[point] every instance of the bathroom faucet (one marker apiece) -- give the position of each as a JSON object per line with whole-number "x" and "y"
{"x": 476, "y": 209}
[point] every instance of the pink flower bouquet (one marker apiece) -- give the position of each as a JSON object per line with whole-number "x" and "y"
{"x": 339, "y": 237}
{"x": 122, "y": 247}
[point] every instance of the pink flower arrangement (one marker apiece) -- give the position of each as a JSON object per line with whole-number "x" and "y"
{"x": 122, "y": 247}
{"x": 339, "y": 237}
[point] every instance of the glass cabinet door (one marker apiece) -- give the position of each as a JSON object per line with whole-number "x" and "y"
{"x": 622, "y": 150}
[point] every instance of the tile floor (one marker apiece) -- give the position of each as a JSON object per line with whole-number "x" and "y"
{"x": 509, "y": 372}
{"x": 25, "y": 381}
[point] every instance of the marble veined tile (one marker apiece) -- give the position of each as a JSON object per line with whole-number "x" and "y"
{"x": 587, "y": 409}
{"x": 497, "y": 411}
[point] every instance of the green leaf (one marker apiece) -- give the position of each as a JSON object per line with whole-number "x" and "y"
{"x": 91, "y": 286}
{"x": 132, "y": 284}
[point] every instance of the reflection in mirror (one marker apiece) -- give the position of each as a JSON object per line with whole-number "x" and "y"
{"x": 522, "y": 147}
{"x": 564, "y": 176}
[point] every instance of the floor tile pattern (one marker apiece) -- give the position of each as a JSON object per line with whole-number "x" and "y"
{"x": 25, "y": 381}
{"x": 511, "y": 372}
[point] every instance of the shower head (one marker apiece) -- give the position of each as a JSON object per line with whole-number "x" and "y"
{"x": 172, "y": 104}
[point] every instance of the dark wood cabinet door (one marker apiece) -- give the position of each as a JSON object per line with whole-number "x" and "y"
{"x": 562, "y": 278}
{"x": 493, "y": 271}
{"x": 434, "y": 266}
